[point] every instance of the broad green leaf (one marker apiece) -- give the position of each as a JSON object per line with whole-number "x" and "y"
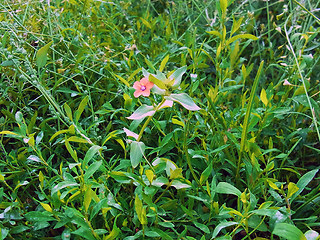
{"x": 41, "y": 56}
{"x": 92, "y": 169}
{"x": 202, "y": 227}
{"x": 140, "y": 210}
{"x": 84, "y": 233}
{"x": 169, "y": 164}
{"x": 292, "y": 189}
{"x": 176, "y": 173}
{"x": 227, "y": 188}
{"x": 185, "y": 100}
{"x": 288, "y": 231}
{"x": 142, "y": 112}
{"x": 37, "y": 216}
{"x": 88, "y": 196}
{"x": 303, "y": 182}
{"x": 205, "y": 174}
{"x": 90, "y": 154}
{"x": 163, "y": 63}
{"x": 263, "y": 97}
{"x": 177, "y": 76}
{"x": 81, "y": 107}
{"x": 150, "y": 175}
{"x": 221, "y": 226}
{"x": 241, "y": 36}
{"x": 19, "y": 117}
{"x": 136, "y": 152}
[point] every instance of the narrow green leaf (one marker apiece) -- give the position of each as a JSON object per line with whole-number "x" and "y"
{"x": 206, "y": 173}
{"x": 202, "y": 227}
{"x": 160, "y": 84}
{"x": 215, "y": 33}
{"x": 72, "y": 152}
{"x": 247, "y": 116}
{"x": 263, "y": 97}
{"x": 163, "y": 63}
{"x": 41, "y": 56}
{"x": 223, "y": 6}
{"x": 241, "y": 36}
{"x": 303, "y": 182}
{"x": 63, "y": 185}
{"x": 140, "y": 210}
{"x": 221, "y": 226}
{"x": 90, "y": 154}
{"x": 288, "y": 231}
{"x": 68, "y": 111}
{"x": 81, "y": 107}
{"x": 92, "y": 169}
{"x": 122, "y": 80}
{"x": 149, "y": 64}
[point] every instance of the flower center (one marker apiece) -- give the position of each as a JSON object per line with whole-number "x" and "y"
{"x": 143, "y": 88}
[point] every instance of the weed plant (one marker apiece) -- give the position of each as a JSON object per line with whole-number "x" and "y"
{"x": 225, "y": 146}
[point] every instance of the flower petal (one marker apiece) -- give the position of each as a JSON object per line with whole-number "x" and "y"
{"x": 149, "y": 85}
{"x": 137, "y": 85}
{"x": 146, "y": 93}
{"x": 144, "y": 81}
{"x": 137, "y": 93}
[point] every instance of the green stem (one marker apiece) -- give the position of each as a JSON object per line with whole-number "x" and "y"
{"x": 185, "y": 148}
{"x": 148, "y": 120}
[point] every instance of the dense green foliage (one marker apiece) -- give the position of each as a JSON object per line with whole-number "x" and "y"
{"x": 244, "y": 166}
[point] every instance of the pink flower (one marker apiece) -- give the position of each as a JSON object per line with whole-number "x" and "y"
{"x": 287, "y": 83}
{"x": 142, "y": 87}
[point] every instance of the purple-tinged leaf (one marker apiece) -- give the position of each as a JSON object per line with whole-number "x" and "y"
{"x": 142, "y": 112}
{"x": 166, "y": 103}
{"x": 130, "y": 133}
{"x": 185, "y": 100}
